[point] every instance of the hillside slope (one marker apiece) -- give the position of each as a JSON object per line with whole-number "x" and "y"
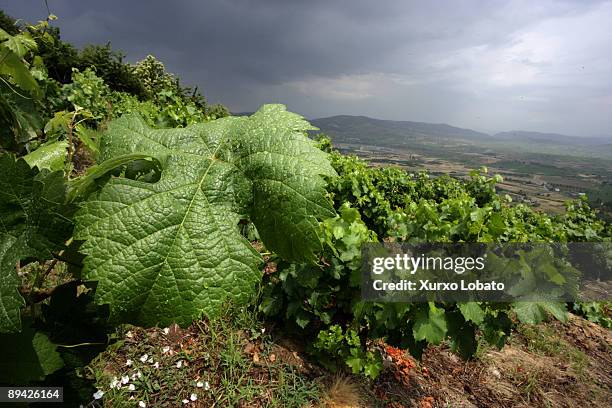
{"x": 362, "y": 130}
{"x": 391, "y": 133}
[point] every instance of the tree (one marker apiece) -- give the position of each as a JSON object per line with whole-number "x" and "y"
{"x": 8, "y": 23}
{"x": 109, "y": 65}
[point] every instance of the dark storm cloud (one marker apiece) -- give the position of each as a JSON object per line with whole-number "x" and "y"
{"x": 483, "y": 64}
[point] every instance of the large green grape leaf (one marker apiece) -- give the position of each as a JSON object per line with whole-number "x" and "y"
{"x": 33, "y": 223}
{"x": 170, "y": 250}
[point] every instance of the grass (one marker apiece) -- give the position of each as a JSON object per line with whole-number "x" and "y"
{"x": 545, "y": 341}
{"x": 225, "y": 362}
{"x": 233, "y": 361}
{"x": 343, "y": 392}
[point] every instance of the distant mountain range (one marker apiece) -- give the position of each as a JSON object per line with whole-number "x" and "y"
{"x": 390, "y": 133}
{"x": 537, "y": 137}
{"x": 362, "y": 129}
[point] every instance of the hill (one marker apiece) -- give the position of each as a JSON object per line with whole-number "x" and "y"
{"x": 544, "y": 169}
{"x": 370, "y": 131}
{"x": 430, "y": 137}
{"x": 538, "y": 137}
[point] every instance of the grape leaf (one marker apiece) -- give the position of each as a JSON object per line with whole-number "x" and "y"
{"x": 430, "y": 325}
{"x": 535, "y": 312}
{"x": 472, "y": 311}
{"x": 50, "y": 155}
{"x": 12, "y": 249}
{"x": 33, "y": 223}
{"x": 20, "y": 44}
{"x": 22, "y": 118}
{"x": 462, "y": 333}
{"x": 170, "y": 250}
{"x": 13, "y": 66}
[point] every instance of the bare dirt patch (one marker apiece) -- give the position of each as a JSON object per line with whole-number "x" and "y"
{"x": 549, "y": 365}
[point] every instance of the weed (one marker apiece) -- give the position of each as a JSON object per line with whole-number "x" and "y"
{"x": 214, "y": 362}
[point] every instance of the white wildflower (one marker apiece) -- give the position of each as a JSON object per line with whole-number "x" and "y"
{"x": 129, "y": 335}
{"x": 156, "y": 365}
{"x": 128, "y": 363}
{"x": 114, "y": 382}
{"x": 150, "y": 360}
{"x": 166, "y": 349}
{"x": 125, "y": 379}
{"x": 166, "y": 330}
{"x": 98, "y": 394}
{"x": 193, "y": 397}
{"x": 199, "y": 384}
{"x": 179, "y": 364}
{"x": 132, "y": 387}
{"x": 206, "y": 386}
{"x": 136, "y": 375}
{"x": 142, "y": 404}
{"x": 144, "y": 357}
{"x": 185, "y": 401}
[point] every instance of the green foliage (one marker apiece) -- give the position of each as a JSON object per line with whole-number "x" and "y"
{"x": 34, "y": 63}
{"x": 109, "y": 65}
{"x": 325, "y": 302}
{"x": 167, "y": 110}
{"x": 358, "y": 186}
{"x": 152, "y": 73}
{"x": 125, "y": 104}
{"x": 535, "y": 312}
{"x": 19, "y": 45}
{"x": 174, "y": 106}
{"x": 323, "y": 293}
{"x": 88, "y": 91}
{"x": 32, "y": 356}
{"x": 8, "y": 24}
{"x": 212, "y": 176}
{"x": 335, "y": 345}
{"x": 50, "y": 155}
{"x": 596, "y": 312}
{"x": 177, "y": 111}
{"x": 175, "y": 192}
{"x": 430, "y": 324}
{"x": 19, "y": 119}
{"x": 217, "y": 111}
{"x": 59, "y": 57}
{"x": 34, "y": 224}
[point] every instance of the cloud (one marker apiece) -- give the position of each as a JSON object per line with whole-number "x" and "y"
{"x": 486, "y": 64}
{"x": 349, "y": 87}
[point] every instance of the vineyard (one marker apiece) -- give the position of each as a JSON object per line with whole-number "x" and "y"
{"x": 157, "y": 251}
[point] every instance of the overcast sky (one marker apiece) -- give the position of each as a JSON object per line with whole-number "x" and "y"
{"x": 488, "y": 65}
